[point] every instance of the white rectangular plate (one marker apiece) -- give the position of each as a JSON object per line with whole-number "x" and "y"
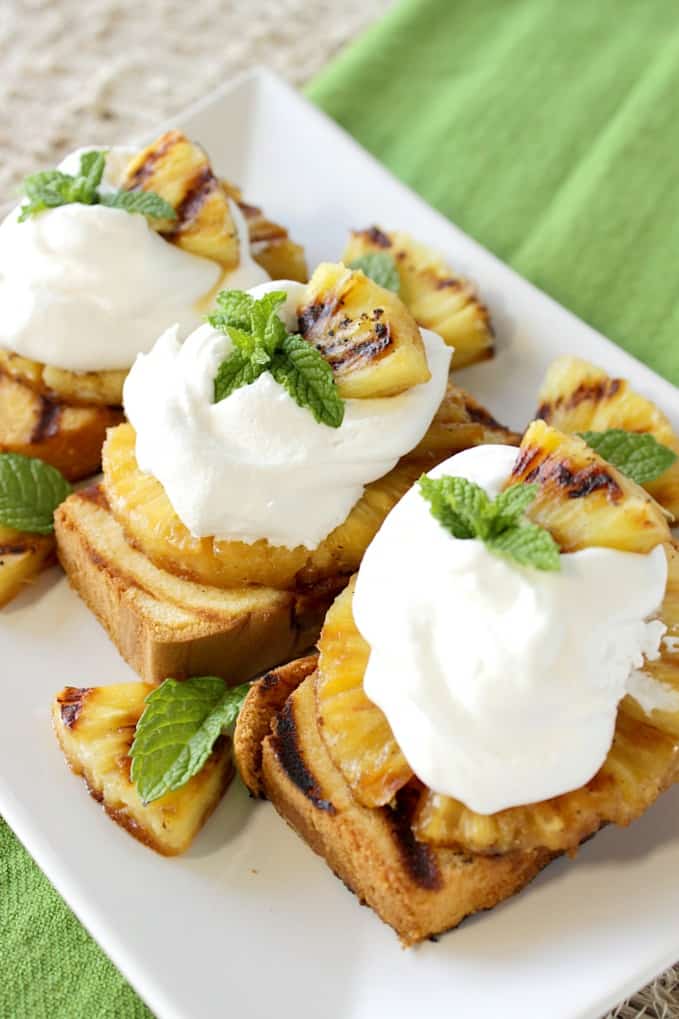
{"x": 250, "y": 923}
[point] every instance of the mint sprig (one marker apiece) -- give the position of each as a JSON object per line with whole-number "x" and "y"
{"x": 262, "y": 343}
{"x": 380, "y": 267}
{"x": 49, "y": 189}
{"x": 30, "y": 492}
{"x": 637, "y": 455}
{"x": 465, "y": 510}
{"x": 178, "y": 730}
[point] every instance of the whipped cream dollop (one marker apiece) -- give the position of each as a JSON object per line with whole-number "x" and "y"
{"x": 86, "y": 288}
{"x": 501, "y": 683}
{"x": 257, "y": 465}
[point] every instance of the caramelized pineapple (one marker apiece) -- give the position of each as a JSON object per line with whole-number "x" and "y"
{"x": 461, "y": 422}
{"x": 22, "y": 557}
{"x": 665, "y": 669}
{"x": 641, "y": 764}
{"x": 644, "y": 758}
{"x": 579, "y": 397}
{"x": 365, "y": 332}
{"x": 180, "y": 172}
{"x": 355, "y": 731}
{"x": 142, "y": 508}
{"x": 581, "y": 499}
{"x": 95, "y": 727}
{"x": 102, "y": 389}
{"x": 438, "y": 298}
{"x": 270, "y": 245}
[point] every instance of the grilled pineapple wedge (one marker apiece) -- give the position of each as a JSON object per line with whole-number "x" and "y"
{"x": 644, "y": 757}
{"x": 68, "y": 437}
{"x": 22, "y": 557}
{"x": 150, "y": 524}
{"x": 180, "y": 172}
{"x": 365, "y": 332}
{"x": 579, "y": 397}
{"x": 583, "y": 500}
{"x": 438, "y": 298}
{"x": 95, "y": 727}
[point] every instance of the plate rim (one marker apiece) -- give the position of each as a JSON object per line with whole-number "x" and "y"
{"x": 18, "y": 818}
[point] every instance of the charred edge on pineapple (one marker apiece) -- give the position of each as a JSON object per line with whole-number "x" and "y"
{"x": 7, "y": 550}
{"x": 71, "y": 701}
{"x": 603, "y": 389}
{"x": 47, "y": 424}
{"x": 576, "y": 484}
{"x": 286, "y": 747}
{"x": 146, "y": 169}
{"x": 375, "y": 236}
{"x": 343, "y": 353}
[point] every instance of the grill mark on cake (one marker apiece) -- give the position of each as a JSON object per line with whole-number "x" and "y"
{"x": 94, "y": 494}
{"x": 49, "y": 417}
{"x": 286, "y": 746}
{"x": 418, "y": 858}
{"x": 71, "y": 701}
{"x": 480, "y": 416}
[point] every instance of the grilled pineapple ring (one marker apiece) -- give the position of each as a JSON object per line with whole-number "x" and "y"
{"x": 644, "y": 757}
{"x": 142, "y": 508}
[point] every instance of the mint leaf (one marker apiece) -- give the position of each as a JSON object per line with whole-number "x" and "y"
{"x": 380, "y": 267}
{"x": 308, "y": 378}
{"x": 233, "y": 309}
{"x": 30, "y": 492}
{"x": 457, "y": 503}
{"x": 509, "y": 506}
{"x": 528, "y": 545}
{"x": 236, "y": 371}
{"x": 262, "y": 343}
{"x": 147, "y": 203}
{"x": 178, "y": 730}
{"x": 639, "y": 456}
{"x": 92, "y": 169}
{"x": 52, "y": 188}
{"x": 464, "y": 509}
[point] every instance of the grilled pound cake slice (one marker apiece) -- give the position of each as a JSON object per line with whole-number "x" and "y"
{"x": 95, "y": 727}
{"x": 63, "y": 434}
{"x": 416, "y": 889}
{"x": 163, "y": 625}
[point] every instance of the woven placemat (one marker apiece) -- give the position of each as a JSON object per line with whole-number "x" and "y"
{"x": 75, "y": 74}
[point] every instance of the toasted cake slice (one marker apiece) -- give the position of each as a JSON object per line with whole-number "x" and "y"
{"x": 164, "y": 625}
{"x": 95, "y": 727}
{"x": 67, "y": 436}
{"x": 22, "y": 557}
{"x": 417, "y": 890}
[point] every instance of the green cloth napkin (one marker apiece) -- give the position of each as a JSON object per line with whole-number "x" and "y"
{"x": 549, "y": 131}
